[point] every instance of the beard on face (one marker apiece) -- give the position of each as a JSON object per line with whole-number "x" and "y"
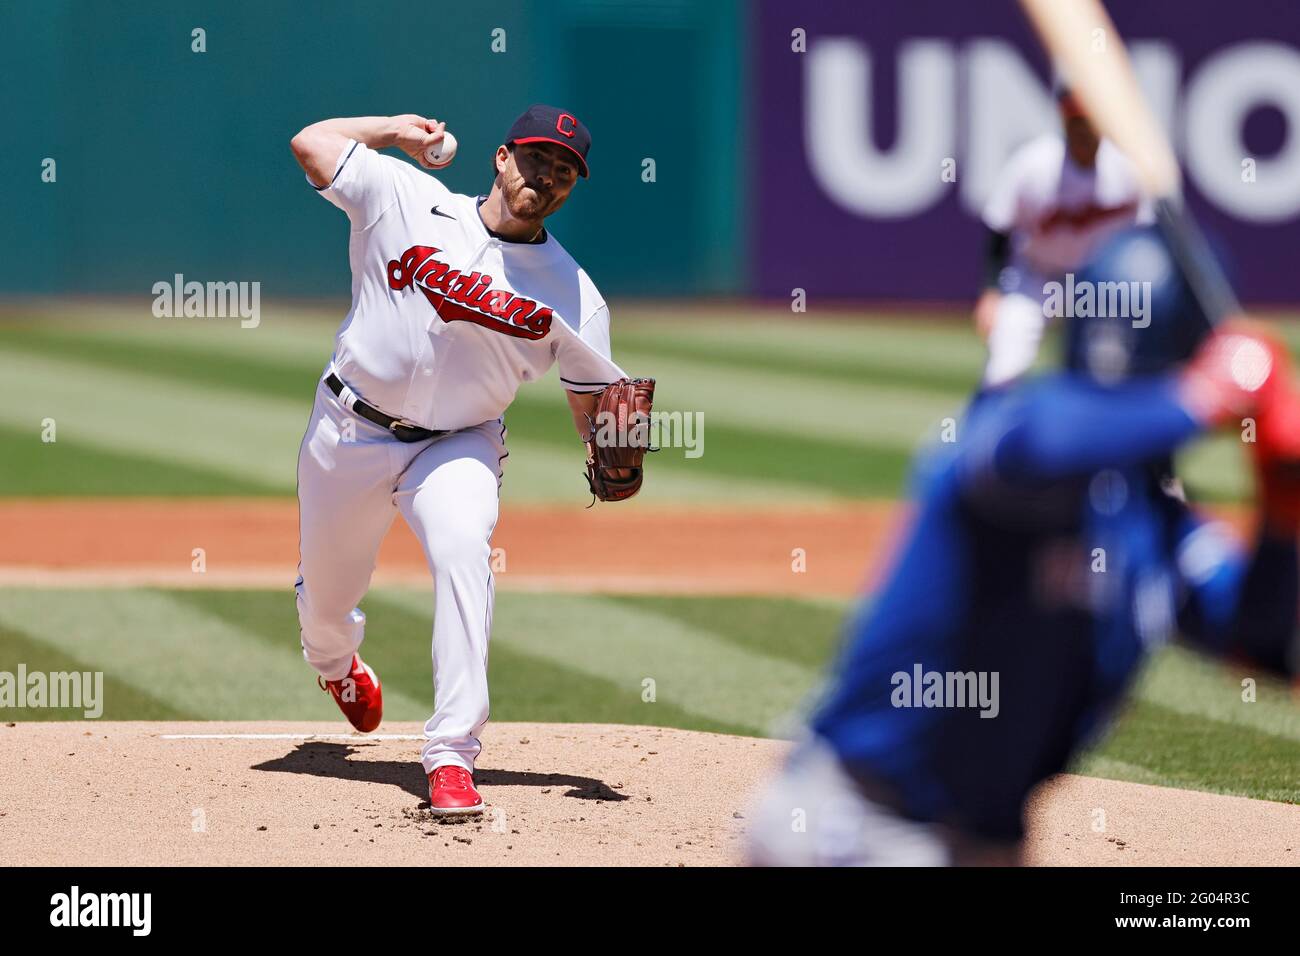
{"x": 526, "y": 202}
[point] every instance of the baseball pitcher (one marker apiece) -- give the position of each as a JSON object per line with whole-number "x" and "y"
{"x": 456, "y": 300}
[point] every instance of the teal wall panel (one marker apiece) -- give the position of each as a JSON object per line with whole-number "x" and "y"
{"x": 174, "y": 161}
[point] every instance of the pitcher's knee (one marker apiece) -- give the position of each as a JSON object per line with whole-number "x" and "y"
{"x": 453, "y": 544}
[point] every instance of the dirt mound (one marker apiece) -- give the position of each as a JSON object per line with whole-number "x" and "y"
{"x": 313, "y": 794}
{"x": 557, "y": 794}
{"x": 1085, "y": 821}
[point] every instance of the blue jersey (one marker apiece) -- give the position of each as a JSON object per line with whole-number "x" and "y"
{"x": 1045, "y": 559}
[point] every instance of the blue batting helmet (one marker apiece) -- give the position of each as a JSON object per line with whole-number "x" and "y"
{"x": 1132, "y": 313}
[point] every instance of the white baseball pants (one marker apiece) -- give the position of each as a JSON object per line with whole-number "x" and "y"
{"x": 1014, "y": 339}
{"x": 353, "y": 478}
{"x": 815, "y": 814}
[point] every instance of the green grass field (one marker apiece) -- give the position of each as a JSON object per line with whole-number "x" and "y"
{"x": 725, "y": 664}
{"x": 147, "y": 406}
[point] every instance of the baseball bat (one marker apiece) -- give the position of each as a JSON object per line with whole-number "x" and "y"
{"x": 1081, "y": 37}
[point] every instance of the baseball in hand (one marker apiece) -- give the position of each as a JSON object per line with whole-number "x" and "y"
{"x": 441, "y": 154}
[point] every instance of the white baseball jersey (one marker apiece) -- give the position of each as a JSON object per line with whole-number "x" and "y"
{"x": 447, "y": 320}
{"x": 1057, "y": 212}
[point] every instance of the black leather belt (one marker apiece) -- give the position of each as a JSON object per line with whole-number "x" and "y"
{"x": 402, "y": 430}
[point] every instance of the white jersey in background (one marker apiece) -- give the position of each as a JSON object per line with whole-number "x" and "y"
{"x": 1057, "y": 214}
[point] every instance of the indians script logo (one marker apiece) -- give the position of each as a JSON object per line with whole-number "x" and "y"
{"x": 1084, "y": 217}
{"x": 469, "y": 298}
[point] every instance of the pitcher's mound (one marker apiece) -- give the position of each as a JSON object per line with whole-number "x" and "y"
{"x": 1086, "y": 821}
{"x": 95, "y": 793}
{"x": 132, "y": 793}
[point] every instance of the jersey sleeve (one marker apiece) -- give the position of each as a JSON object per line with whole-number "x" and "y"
{"x": 1061, "y": 428}
{"x": 365, "y": 184}
{"x": 1002, "y": 209}
{"x": 584, "y": 356}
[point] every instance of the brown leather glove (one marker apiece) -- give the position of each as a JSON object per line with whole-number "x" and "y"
{"x": 619, "y": 438}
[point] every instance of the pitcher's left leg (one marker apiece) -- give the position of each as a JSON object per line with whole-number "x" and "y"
{"x": 449, "y": 498}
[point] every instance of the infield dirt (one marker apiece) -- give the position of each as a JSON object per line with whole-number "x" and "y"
{"x": 557, "y": 794}
{"x": 254, "y": 543}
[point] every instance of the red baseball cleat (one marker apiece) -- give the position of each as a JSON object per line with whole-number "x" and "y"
{"x": 358, "y": 695}
{"x": 451, "y": 791}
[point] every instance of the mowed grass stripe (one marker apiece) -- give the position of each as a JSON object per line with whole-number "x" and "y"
{"x": 271, "y": 619}
{"x": 252, "y": 440}
{"x": 773, "y": 456}
{"x": 286, "y": 332}
{"x": 737, "y": 464}
{"x": 924, "y": 343}
{"x": 523, "y": 685}
{"x": 30, "y": 467}
{"x": 772, "y": 465}
{"x": 1185, "y": 682}
{"x": 120, "y": 699}
{"x": 773, "y": 452}
{"x": 528, "y": 687}
{"x": 191, "y": 661}
{"x": 692, "y": 669}
{"x": 247, "y": 437}
{"x": 1201, "y": 753}
{"x": 941, "y": 352}
{"x": 804, "y": 633}
{"x": 891, "y": 416}
{"x": 276, "y": 363}
{"x": 646, "y": 352}
{"x": 159, "y": 360}
{"x": 881, "y": 416}
{"x": 926, "y": 340}
{"x": 938, "y": 350}
{"x": 539, "y": 471}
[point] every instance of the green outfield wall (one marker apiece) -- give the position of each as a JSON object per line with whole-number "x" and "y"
{"x": 168, "y": 160}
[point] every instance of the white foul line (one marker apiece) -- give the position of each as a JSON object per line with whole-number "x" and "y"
{"x": 291, "y": 736}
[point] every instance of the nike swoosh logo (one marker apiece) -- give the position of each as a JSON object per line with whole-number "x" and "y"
{"x": 435, "y": 212}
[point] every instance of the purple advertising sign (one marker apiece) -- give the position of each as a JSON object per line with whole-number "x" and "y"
{"x": 879, "y": 129}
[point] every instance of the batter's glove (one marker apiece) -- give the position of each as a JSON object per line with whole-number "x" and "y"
{"x": 619, "y": 438}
